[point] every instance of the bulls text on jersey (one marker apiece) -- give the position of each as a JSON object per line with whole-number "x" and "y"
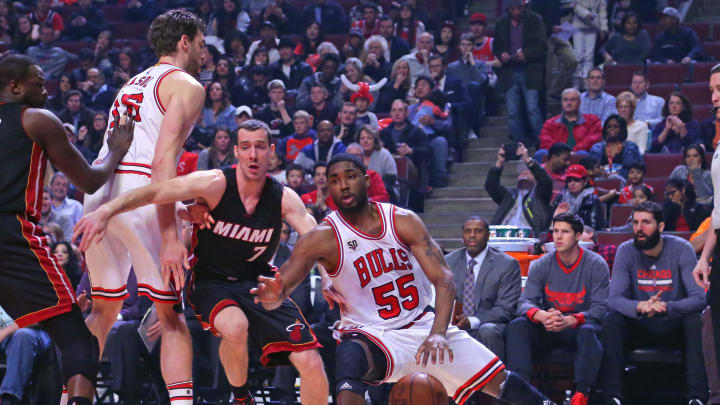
{"x": 379, "y": 261}
{"x": 244, "y": 233}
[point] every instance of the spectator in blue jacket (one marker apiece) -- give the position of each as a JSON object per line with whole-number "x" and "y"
{"x": 676, "y": 44}
{"x": 322, "y": 149}
{"x": 615, "y": 153}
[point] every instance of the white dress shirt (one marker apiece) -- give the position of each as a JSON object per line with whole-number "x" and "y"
{"x": 479, "y": 259}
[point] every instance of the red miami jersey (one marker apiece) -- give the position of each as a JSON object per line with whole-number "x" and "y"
{"x": 385, "y": 285}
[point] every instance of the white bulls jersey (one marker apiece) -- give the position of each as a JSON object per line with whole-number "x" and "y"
{"x": 141, "y": 99}
{"x": 377, "y": 274}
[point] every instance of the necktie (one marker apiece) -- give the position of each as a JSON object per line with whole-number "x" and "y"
{"x": 468, "y": 289}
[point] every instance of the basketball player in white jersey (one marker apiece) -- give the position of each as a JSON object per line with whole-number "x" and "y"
{"x": 382, "y": 260}
{"x": 165, "y": 101}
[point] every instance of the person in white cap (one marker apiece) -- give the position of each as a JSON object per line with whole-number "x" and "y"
{"x": 242, "y": 114}
{"x": 676, "y": 43}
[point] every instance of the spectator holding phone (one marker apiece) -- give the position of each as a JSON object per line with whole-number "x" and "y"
{"x": 527, "y": 204}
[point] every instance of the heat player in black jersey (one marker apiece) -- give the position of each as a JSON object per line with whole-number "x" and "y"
{"x": 247, "y": 208}
{"x": 33, "y": 285}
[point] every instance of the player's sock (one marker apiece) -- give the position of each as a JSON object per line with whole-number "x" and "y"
{"x": 79, "y": 401}
{"x": 181, "y": 393}
{"x": 515, "y": 390}
{"x": 64, "y": 396}
{"x": 242, "y": 396}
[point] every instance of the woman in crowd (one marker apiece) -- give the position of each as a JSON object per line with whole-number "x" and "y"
{"x": 230, "y": 17}
{"x": 68, "y": 259}
{"x": 678, "y": 129}
{"x": 261, "y": 57}
{"x": 204, "y": 10}
{"x": 218, "y": 111}
{"x": 696, "y": 172}
{"x": 579, "y": 197}
{"x": 638, "y": 131}
{"x": 236, "y": 45}
{"x": 65, "y": 83}
{"x": 207, "y": 70}
{"x": 446, "y": 43}
{"x": 220, "y": 155}
{"x": 629, "y": 46}
{"x": 310, "y": 41}
{"x": 377, "y": 62}
{"x": 680, "y": 209}
{"x": 376, "y": 157}
{"x": 92, "y": 138}
{"x": 615, "y": 153}
{"x": 398, "y": 87}
{"x": 354, "y": 73}
{"x": 24, "y": 37}
{"x": 124, "y": 67}
{"x": 225, "y": 73}
{"x": 407, "y": 26}
{"x": 355, "y": 46}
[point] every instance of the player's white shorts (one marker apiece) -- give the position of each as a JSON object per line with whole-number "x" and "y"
{"x": 132, "y": 239}
{"x": 474, "y": 365}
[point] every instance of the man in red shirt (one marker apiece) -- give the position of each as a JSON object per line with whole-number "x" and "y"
{"x": 483, "y": 43}
{"x": 318, "y": 200}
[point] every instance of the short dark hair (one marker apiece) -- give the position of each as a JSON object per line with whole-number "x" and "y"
{"x": 638, "y": 166}
{"x": 330, "y": 57}
{"x": 477, "y": 218}
{"x": 74, "y": 92}
{"x": 558, "y": 148}
{"x": 589, "y": 162}
{"x": 346, "y": 157}
{"x": 652, "y": 207}
{"x": 640, "y": 73}
{"x": 645, "y": 190}
{"x": 623, "y": 127}
{"x": 167, "y": 29}
{"x": 715, "y": 69}
{"x": 319, "y": 164}
{"x": 252, "y": 125}
{"x": 427, "y": 79}
{"x": 576, "y": 223}
{"x": 294, "y": 167}
{"x": 14, "y": 67}
{"x": 467, "y": 36}
{"x": 598, "y": 69}
{"x": 436, "y": 57}
{"x": 385, "y": 17}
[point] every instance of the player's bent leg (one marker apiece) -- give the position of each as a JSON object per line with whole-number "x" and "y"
{"x": 79, "y": 351}
{"x": 232, "y": 325}
{"x": 175, "y": 354}
{"x": 313, "y": 381}
{"x": 350, "y": 398}
{"x": 101, "y": 319}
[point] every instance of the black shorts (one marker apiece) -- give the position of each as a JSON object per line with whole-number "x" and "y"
{"x": 33, "y": 285}
{"x": 278, "y": 332}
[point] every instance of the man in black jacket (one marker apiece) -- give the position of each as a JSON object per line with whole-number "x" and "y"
{"x": 398, "y": 46}
{"x": 521, "y": 48}
{"x": 328, "y": 13}
{"x": 402, "y": 138}
{"x": 289, "y": 69}
{"x": 528, "y": 204}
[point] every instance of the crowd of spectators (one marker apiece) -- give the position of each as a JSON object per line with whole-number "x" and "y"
{"x": 398, "y": 83}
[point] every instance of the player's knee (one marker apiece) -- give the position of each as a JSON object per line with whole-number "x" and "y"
{"x": 493, "y": 387}
{"x": 79, "y": 348}
{"x": 106, "y": 309}
{"x": 231, "y": 324}
{"x": 307, "y": 362}
{"x": 169, "y": 318}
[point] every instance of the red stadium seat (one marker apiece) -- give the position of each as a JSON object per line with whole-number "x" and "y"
{"x": 701, "y": 70}
{"x": 130, "y": 29}
{"x": 716, "y": 32}
{"x": 75, "y": 46}
{"x": 608, "y": 184}
{"x": 619, "y": 214}
{"x": 701, "y": 29}
{"x": 620, "y": 74}
{"x": 658, "y": 184}
{"x": 697, "y": 93}
{"x": 661, "y": 164}
{"x": 667, "y": 73}
{"x": 613, "y": 238}
{"x": 662, "y": 90}
{"x": 713, "y": 49}
{"x": 616, "y": 89}
{"x": 337, "y": 39}
{"x": 653, "y": 30}
{"x": 701, "y": 112}
{"x": 114, "y": 12}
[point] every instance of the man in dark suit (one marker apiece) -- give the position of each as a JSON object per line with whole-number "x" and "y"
{"x": 328, "y": 13}
{"x": 398, "y": 46}
{"x": 289, "y": 69}
{"x": 487, "y": 284}
{"x": 455, "y": 93}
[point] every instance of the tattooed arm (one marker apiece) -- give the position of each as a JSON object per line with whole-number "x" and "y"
{"x": 413, "y": 233}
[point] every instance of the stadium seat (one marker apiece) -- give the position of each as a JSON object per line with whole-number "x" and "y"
{"x": 712, "y": 49}
{"x": 616, "y": 89}
{"x": 619, "y": 214}
{"x": 661, "y": 164}
{"x": 75, "y": 46}
{"x": 701, "y": 112}
{"x": 130, "y": 29}
{"x": 697, "y": 93}
{"x": 613, "y": 238}
{"x": 658, "y": 184}
{"x": 653, "y": 29}
{"x": 608, "y": 184}
{"x": 51, "y": 85}
{"x": 667, "y": 73}
{"x": 337, "y": 39}
{"x": 701, "y": 71}
{"x": 620, "y": 74}
{"x": 716, "y": 32}
{"x": 114, "y": 12}
{"x": 662, "y": 90}
{"x": 701, "y": 29}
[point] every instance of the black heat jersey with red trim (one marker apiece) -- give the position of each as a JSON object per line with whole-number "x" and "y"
{"x": 22, "y": 165}
{"x": 239, "y": 246}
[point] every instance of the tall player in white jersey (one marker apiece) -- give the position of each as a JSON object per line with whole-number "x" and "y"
{"x": 165, "y": 101}
{"x": 382, "y": 259}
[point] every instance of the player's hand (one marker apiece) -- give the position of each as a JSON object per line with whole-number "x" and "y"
{"x": 331, "y": 295}
{"x": 174, "y": 259}
{"x": 84, "y": 302}
{"x": 92, "y": 227}
{"x": 701, "y": 273}
{"x": 197, "y": 214}
{"x": 121, "y": 135}
{"x": 154, "y": 332}
{"x": 269, "y": 291}
{"x": 433, "y": 347}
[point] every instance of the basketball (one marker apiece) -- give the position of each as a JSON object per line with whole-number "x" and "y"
{"x": 418, "y": 389}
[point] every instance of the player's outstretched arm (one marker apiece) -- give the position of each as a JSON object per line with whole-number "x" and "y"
{"x": 317, "y": 245}
{"x": 412, "y": 231}
{"x": 207, "y": 184}
{"x": 45, "y": 128}
{"x": 294, "y": 212}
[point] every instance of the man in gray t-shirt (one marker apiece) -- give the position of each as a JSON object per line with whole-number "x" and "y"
{"x": 653, "y": 299}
